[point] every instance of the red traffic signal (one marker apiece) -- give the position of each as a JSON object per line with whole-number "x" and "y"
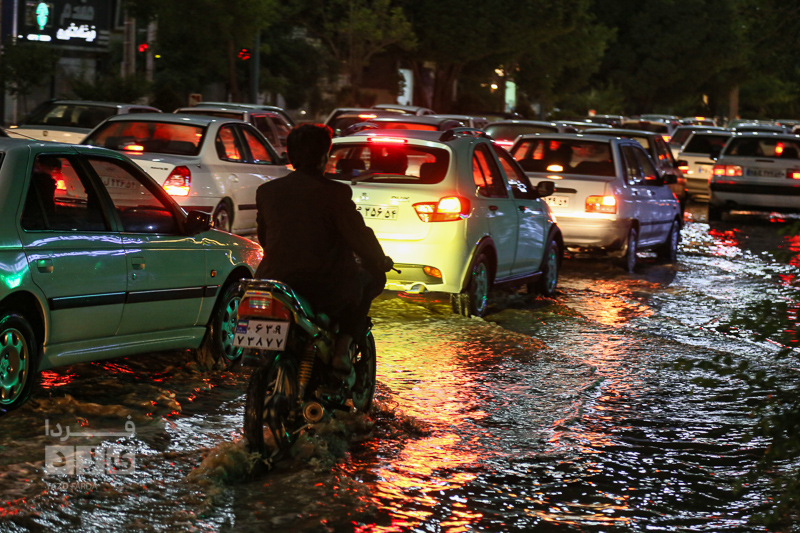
{"x": 143, "y": 47}
{"x": 244, "y": 54}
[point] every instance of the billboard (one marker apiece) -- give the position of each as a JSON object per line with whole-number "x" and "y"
{"x": 73, "y": 23}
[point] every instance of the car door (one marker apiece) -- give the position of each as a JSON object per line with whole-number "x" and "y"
{"x": 656, "y": 211}
{"x": 166, "y": 269}
{"x": 531, "y": 215}
{"x": 637, "y": 198}
{"x": 496, "y": 207}
{"x": 74, "y": 255}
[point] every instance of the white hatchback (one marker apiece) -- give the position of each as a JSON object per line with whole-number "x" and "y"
{"x": 698, "y": 155}
{"x": 756, "y": 171}
{"x": 454, "y": 211}
{"x": 609, "y": 198}
{"x": 205, "y": 163}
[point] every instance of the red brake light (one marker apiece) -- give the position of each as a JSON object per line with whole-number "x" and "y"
{"x": 133, "y": 148}
{"x": 178, "y": 182}
{"x": 61, "y": 185}
{"x": 262, "y": 304}
{"x": 667, "y": 138}
{"x": 793, "y": 174}
{"x": 727, "y": 170}
{"x": 447, "y": 209}
{"x": 684, "y": 168}
{"x": 367, "y": 116}
{"x": 387, "y": 140}
{"x": 601, "y": 204}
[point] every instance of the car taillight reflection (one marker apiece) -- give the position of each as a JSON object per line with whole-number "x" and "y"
{"x": 178, "y": 182}
{"x": 447, "y": 209}
{"x": 727, "y": 170}
{"x": 601, "y": 204}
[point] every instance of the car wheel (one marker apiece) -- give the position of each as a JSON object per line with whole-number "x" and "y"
{"x": 217, "y": 348}
{"x": 223, "y": 217}
{"x": 474, "y": 300}
{"x": 546, "y": 285}
{"x": 19, "y": 356}
{"x": 628, "y": 261}
{"x": 714, "y": 213}
{"x": 668, "y": 251}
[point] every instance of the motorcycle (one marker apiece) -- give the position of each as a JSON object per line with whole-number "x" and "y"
{"x": 294, "y": 384}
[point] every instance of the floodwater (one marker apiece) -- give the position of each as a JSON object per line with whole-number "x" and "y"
{"x": 563, "y": 414}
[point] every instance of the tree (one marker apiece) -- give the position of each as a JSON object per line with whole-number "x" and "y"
{"x": 25, "y": 66}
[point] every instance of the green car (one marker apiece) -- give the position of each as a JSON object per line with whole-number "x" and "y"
{"x": 98, "y": 261}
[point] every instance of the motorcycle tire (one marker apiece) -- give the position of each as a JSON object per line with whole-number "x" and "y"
{"x": 365, "y": 365}
{"x": 271, "y": 405}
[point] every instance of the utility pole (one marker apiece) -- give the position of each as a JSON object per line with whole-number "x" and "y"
{"x": 129, "y": 47}
{"x": 255, "y": 69}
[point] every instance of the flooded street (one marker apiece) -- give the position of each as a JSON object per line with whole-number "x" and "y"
{"x": 567, "y": 414}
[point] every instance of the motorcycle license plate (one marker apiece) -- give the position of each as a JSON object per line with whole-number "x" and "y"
{"x": 261, "y": 334}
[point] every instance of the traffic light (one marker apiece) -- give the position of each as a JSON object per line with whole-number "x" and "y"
{"x": 244, "y": 54}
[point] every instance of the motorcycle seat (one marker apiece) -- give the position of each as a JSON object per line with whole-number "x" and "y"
{"x": 321, "y": 319}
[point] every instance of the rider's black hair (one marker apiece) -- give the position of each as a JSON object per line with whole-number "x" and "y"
{"x": 307, "y": 144}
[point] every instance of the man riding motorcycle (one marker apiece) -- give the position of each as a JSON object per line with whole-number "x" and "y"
{"x": 311, "y": 234}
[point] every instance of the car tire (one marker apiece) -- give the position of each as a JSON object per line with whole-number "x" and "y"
{"x": 714, "y": 213}
{"x": 668, "y": 252}
{"x": 19, "y": 360}
{"x": 223, "y": 216}
{"x": 551, "y": 260}
{"x": 473, "y": 300}
{"x": 628, "y": 261}
{"x": 217, "y": 349}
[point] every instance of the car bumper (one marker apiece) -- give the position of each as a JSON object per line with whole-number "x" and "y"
{"x": 593, "y": 234}
{"x": 747, "y": 195}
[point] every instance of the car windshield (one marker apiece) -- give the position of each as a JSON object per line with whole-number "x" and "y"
{"x": 387, "y": 161}
{"x": 589, "y": 158}
{"x": 512, "y": 131}
{"x": 703, "y": 143}
{"x": 763, "y": 147}
{"x": 149, "y": 136}
{"x": 70, "y": 115}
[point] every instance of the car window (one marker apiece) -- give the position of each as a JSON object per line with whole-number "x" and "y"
{"x": 663, "y": 151}
{"x": 486, "y": 174}
{"x": 282, "y": 126}
{"x": 388, "y": 162}
{"x": 512, "y": 131}
{"x": 139, "y": 207}
{"x": 259, "y": 152}
{"x": 763, "y": 147}
{"x": 228, "y": 145}
{"x": 633, "y": 173}
{"x": 578, "y": 156}
{"x": 138, "y": 136}
{"x": 60, "y": 198}
{"x": 70, "y": 115}
{"x": 263, "y": 125}
{"x": 520, "y": 184}
{"x": 396, "y": 125}
{"x": 701, "y": 143}
{"x": 646, "y": 165}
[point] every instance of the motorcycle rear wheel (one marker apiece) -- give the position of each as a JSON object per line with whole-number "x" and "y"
{"x": 365, "y": 365}
{"x": 271, "y": 406}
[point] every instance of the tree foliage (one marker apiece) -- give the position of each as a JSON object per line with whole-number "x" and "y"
{"x": 25, "y": 66}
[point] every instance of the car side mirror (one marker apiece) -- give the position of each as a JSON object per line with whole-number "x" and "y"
{"x": 545, "y": 188}
{"x": 198, "y": 222}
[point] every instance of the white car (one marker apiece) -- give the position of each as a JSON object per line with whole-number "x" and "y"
{"x": 609, "y": 198}
{"x": 756, "y": 171}
{"x": 698, "y": 156}
{"x": 205, "y": 163}
{"x": 68, "y": 121}
{"x": 453, "y": 210}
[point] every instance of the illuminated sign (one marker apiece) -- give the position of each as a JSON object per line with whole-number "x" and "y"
{"x": 73, "y": 23}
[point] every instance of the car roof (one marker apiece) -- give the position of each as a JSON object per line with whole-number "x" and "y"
{"x": 99, "y": 103}
{"x": 524, "y": 122}
{"x": 578, "y": 136}
{"x": 410, "y": 108}
{"x": 621, "y": 132}
{"x": 413, "y": 119}
{"x": 193, "y": 119}
{"x": 766, "y": 135}
{"x": 419, "y": 135}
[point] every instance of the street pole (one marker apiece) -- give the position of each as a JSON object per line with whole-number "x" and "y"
{"x": 255, "y": 69}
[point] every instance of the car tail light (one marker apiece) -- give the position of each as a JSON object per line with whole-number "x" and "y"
{"x": 262, "y": 304}
{"x": 684, "y": 168}
{"x": 367, "y": 116}
{"x": 432, "y": 271}
{"x": 666, "y": 138}
{"x": 727, "y": 170}
{"x": 793, "y": 174}
{"x": 601, "y": 204}
{"x": 446, "y": 209}
{"x": 133, "y": 148}
{"x": 555, "y": 168}
{"x": 178, "y": 182}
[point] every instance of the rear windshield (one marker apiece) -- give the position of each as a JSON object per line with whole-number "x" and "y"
{"x": 589, "y": 158}
{"x": 145, "y": 136}
{"x": 70, "y": 115}
{"x": 680, "y": 136}
{"x": 387, "y": 162}
{"x": 763, "y": 147}
{"x": 703, "y": 143}
{"x": 210, "y": 113}
{"x": 655, "y": 127}
{"x": 397, "y": 125}
{"x": 512, "y": 131}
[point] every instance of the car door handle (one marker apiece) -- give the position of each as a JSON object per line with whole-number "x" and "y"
{"x": 493, "y": 208}
{"x": 137, "y": 263}
{"x": 523, "y": 208}
{"x": 45, "y": 266}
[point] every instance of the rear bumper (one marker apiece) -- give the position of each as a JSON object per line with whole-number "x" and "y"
{"x": 593, "y": 234}
{"x": 760, "y": 196}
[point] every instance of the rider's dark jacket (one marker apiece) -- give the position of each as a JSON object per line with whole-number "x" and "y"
{"x": 309, "y": 229}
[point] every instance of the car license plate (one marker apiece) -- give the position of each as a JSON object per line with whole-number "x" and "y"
{"x": 557, "y": 201}
{"x": 766, "y": 173}
{"x": 261, "y": 334}
{"x": 377, "y": 211}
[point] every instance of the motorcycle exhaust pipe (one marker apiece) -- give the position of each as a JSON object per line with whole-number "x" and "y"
{"x": 313, "y": 412}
